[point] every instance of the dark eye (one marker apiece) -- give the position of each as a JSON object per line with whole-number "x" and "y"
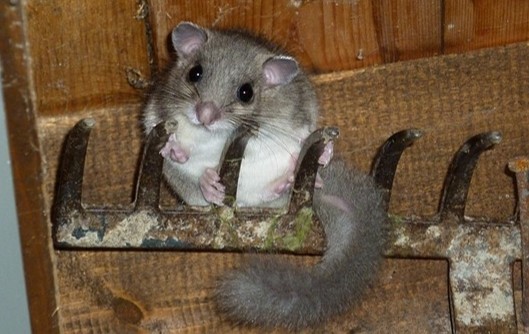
{"x": 195, "y": 73}
{"x": 245, "y": 93}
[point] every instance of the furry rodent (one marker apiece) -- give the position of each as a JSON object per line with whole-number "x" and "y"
{"x": 205, "y": 91}
{"x": 219, "y": 81}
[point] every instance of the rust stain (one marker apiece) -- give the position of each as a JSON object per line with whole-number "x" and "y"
{"x": 518, "y": 165}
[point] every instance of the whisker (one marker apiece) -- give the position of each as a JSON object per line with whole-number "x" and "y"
{"x": 270, "y": 133}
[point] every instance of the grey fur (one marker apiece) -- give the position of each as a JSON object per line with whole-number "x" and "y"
{"x": 229, "y": 59}
{"x": 269, "y": 294}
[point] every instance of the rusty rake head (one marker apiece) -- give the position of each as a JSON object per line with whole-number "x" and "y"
{"x": 145, "y": 225}
{"x": 480, "y": 252}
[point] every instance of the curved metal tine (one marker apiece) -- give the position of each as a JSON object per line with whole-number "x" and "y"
{"x": 231, "y": 160}
{"x": 69, "y": 187}
{"x": 388, "y": 157}
{"x": 147, "y": 194}
{"x": 460, "y": 172}
{"x": 307, "y": 167}
{"x": 520, "y": 166}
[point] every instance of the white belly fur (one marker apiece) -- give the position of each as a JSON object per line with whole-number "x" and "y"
{"x": 264, "y": 162}
{"x": 204, "y": 148}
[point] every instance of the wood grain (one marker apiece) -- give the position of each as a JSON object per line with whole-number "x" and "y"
{"x": 83, "y": 53}
{"x": 26, "y": 161}
{"x": 65, "y": 60}
{"x": 408, "y": 29}
{"x": 451, "y": 98}
{"x": 471, "y": 24}
{"x": 323, "y": 35}
{"x": 338, "y": 35}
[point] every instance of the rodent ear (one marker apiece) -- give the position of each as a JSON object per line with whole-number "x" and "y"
{"x": 280, "y": 70}
{"x": 187, "y": 38}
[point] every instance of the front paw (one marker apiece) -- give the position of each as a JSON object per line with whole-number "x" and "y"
{"x": 212, "y": 189}
{"x": 173, "y": 150}
{"x": 283, "y": 184}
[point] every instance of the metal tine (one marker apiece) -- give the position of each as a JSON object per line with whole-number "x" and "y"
{"x": 147, "y": 195}
{"x": 520, "y": 166}
{"x": 70, "y": 172}
{"x": 231, "y": 160}
{"x": 460, "y": 172}
{"x": 307, "y": 167}
{"x": 74, "y": 227}
{"x": 385, "y": 164}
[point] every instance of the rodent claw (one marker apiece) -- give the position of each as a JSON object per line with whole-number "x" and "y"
{"x": 212, "y": 189}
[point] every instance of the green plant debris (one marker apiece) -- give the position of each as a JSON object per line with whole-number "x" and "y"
{"x": 293, "y": 240}
{"x": 394, "y": 219}
{"x": 271, "y": 236}
{"x": 227, "y": 233}
{"x": 302, "y": 227}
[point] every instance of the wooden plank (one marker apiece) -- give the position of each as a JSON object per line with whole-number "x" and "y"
{"x": 27, "y": 166}
{"x": 408, "y": 29}
{"x": 451, "y": 98}
{"x": 164, "y": 292}
{"x": 81, "y": 69}
{"x": 339, "y": 35}
{"x": 74, "y": 68}
{"x": 83, "y": 53}
{"x": 323, "y": 35}
{"x": 477, "y": 24}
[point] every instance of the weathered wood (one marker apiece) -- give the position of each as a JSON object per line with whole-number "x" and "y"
{"x": 408, "y": 29}
{"x": 339, "y": 35}
{"x": 323, "y": 35}
{"x": 27, "y": 163}
{"x": 470, "y": 25}
{"x": 451, "y": 98}
{"x": 86, "y": 55}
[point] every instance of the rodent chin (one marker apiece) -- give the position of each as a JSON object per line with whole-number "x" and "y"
{"x": 220, "y": 126}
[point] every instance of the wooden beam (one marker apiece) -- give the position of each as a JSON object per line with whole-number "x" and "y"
{"x": 27, "y": 169}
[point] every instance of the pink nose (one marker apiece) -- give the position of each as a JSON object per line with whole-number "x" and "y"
{"x": 207, "y": 112}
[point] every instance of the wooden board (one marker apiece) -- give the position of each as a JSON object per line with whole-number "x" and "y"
{"x": 470, "y": 25}
{"x": 85, "y": 55}
{"x": 26, "y": 160}
{"x": 63, "y": 61}
{"x": 339, "y": 35}
{"x": 451, "y": 98}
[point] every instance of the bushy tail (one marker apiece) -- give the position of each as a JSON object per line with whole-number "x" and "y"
{"x": 270, "y": 294}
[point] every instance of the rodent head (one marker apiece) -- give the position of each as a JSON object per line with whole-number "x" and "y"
{"x": 223, "y": 79}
